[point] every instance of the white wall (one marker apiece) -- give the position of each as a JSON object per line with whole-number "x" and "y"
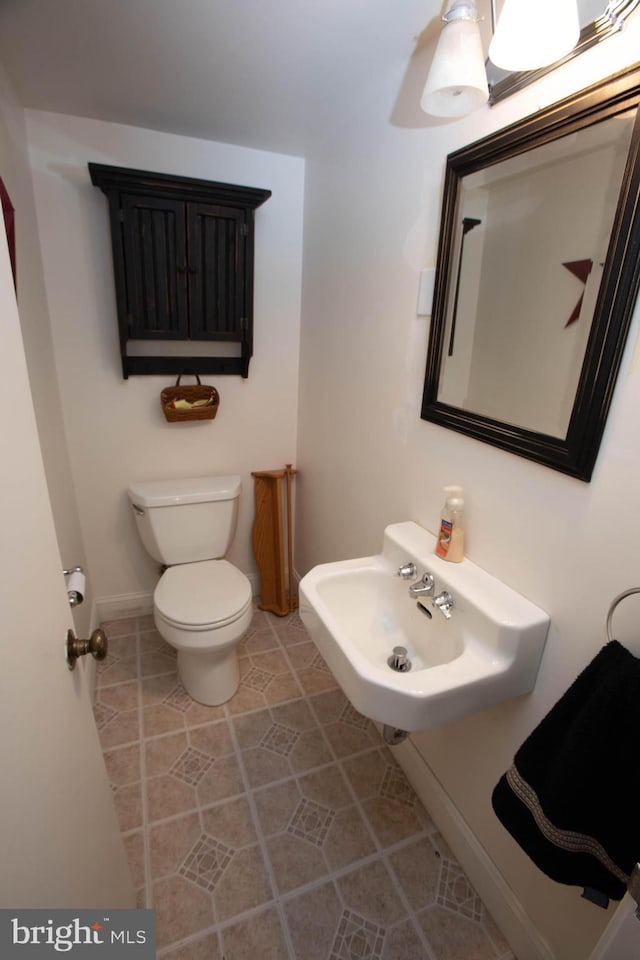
{"x": 36, "y": 333}
{"x": 366, "y": 459}
{"x": 116, "y": 430}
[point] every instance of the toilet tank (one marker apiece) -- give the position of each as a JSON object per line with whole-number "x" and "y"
{"x": 181, "y": 521}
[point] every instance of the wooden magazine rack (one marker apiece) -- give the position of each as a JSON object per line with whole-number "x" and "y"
{"x": 273, "y": 539}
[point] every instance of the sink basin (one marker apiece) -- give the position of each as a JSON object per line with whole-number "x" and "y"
{"x": 357, "y": 611}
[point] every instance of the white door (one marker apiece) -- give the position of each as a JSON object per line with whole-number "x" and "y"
{"x": 60, "y": 841}
{"x": 621, "y": 939}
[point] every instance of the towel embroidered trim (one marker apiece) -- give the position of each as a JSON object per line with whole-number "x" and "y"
{"x": 565, "y": 839}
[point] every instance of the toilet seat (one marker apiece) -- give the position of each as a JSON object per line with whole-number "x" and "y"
{"x": 205, "y": 595}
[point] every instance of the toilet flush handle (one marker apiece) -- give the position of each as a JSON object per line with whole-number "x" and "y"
{"x": 137, "y": 510}
{"x": 96, "y": 645}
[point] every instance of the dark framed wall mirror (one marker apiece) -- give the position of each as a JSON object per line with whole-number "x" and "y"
{"x": 537, "y": 274}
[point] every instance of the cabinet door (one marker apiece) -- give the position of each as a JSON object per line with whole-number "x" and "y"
{"x": 154, "y": 236}
{"x": 217, "y": 239}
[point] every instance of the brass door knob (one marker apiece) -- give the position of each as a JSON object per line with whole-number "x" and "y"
{"x": 96, "y": 645}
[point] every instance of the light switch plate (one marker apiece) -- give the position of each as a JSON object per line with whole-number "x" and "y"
{"x": 425, "y": 291}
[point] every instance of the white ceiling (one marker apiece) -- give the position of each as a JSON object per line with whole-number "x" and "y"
{"x": 280, "y": 75}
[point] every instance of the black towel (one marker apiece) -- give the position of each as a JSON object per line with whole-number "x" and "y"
{"x": 572, "y": 797}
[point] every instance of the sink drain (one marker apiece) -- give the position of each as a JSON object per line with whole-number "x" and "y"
{"x": 399, "y": 660}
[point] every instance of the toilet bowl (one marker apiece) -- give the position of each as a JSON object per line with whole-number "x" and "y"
{"x": 202, "y": 603}
{"x": 203, "y": 609}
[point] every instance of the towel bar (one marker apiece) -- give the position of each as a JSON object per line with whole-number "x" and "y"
{"x": 621, "y": 596}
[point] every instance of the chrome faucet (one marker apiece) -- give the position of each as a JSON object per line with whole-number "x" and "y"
{"x": 423, "y": 586}
{"x": 408, "y": 571}
{"x": 443, "y": 602}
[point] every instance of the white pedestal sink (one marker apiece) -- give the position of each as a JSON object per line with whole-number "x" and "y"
{"x": 357, "y": 611}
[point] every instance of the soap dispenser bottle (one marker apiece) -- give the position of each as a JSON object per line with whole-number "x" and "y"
{"x": 450, "y": 545}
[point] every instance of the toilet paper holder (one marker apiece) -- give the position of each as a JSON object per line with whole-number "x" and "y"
{"x": 75, "y": 586}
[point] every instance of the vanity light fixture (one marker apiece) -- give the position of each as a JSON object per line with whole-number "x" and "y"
{"x": 457, "y": 81}
{"x": 534, "y": 33}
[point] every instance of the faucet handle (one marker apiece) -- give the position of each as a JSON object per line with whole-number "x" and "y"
{"x": 408, "y": 571}
{"x": 444, "y": 603}
{"x": 423, "y": 586}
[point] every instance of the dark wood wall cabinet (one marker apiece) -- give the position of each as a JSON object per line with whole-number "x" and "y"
{"x": 183, "y": 266}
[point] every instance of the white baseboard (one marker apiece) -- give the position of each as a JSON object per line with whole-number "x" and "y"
{"x": 138, "y": 604}
{"x": 94, "y": 619}
{"x": 126, "y": 605}
{"x": 499, "y": 899}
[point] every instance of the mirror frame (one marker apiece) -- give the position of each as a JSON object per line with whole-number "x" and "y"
{"x": 576, "y": 453}
{"x": 610, "y": 21}
{"x": 8, "y": 215}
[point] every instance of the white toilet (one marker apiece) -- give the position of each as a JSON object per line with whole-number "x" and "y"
{"x": 202, "y": 603}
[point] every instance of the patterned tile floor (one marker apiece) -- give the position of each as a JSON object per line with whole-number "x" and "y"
{"x": 278, "y": 826}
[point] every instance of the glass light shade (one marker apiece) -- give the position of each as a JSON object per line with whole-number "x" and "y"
{"x": 534, "y": 33}
{"x": 457, "y": 81}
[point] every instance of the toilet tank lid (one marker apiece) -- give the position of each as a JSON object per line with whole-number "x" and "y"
{"x": 167, "y": 493}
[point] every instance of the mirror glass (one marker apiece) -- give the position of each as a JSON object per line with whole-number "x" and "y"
{"x": 599, "y": 19}
{"x": 530, "y": 242}
{"x": 536, "y": 278}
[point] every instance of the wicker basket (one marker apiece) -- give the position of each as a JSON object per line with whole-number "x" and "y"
{"x": 207, "y": 399}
